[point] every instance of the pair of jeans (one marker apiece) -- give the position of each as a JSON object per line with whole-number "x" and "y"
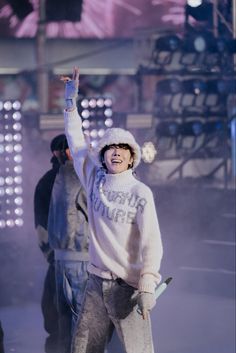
{"x": 109, "y": 305}
{"x": 71, "y": 279}
{"x": 49, "y": 311}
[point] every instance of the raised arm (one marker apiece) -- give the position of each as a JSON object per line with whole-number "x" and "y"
{"x": 73, "y": 123}
{"x": 71, "y": 89}
{"x": 73, "y": 126}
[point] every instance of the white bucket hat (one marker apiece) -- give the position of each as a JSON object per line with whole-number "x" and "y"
{"x": 115, "y": 136}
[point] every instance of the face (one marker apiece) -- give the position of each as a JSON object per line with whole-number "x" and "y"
{"x": 69, "y": 156}
{"x": 117, "y": 158}
{"x": 58, "y": 154}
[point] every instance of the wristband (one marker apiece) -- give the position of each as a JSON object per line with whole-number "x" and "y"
{"x": 70, "y": 104}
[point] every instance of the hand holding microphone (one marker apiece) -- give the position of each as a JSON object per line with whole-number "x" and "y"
{"x": 147, "y": 301}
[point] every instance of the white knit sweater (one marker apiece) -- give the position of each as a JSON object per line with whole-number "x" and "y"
{"x": 125, "y": 238}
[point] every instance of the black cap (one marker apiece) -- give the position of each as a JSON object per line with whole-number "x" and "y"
{"x": 59, "y": 143}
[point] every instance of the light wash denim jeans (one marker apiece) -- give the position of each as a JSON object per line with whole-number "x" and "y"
{"x": 49, "y": 311}
{"x": 71, "y": 278}
{"x": 110, "y": 304}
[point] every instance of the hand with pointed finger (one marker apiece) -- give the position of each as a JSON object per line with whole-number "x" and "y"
{"x": 146, "y": 302}
{"x": 71, "y": 89}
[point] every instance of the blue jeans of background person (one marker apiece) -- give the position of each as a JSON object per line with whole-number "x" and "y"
{"x": 71, "y": 278}
{"x": 49, "y": 311}
{"x": 110, "y": 304}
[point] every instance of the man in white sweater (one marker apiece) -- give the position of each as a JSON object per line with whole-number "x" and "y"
{"x": 125, "y": 243}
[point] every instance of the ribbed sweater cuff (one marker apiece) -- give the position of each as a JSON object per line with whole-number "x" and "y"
{"x": 147, "y": 283}
{"x": 71, "y": 112}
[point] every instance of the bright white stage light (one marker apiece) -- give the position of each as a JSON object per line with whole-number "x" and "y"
{"x": 96, "y": 113}
{"x": 16, "y": 116}
{"x": 194, "y": 3}
{"x": 11, "y": 148}
{"x": 148, "y": 152}
{"x": 19, "y": 222}
{"x": 108, "y": 122}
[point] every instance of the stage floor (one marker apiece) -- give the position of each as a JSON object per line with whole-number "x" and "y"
{"x": 196, "y": 314}
{"x": 182, "y": 323}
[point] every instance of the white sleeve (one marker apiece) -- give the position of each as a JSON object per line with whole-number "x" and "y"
{"x": 151, "y": 244}
{"x": 77, "y": 144}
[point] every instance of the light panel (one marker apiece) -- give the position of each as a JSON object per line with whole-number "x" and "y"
{"x": 97, "y": 116}
{"x": 11, "y": 190}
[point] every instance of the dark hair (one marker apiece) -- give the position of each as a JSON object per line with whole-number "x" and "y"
{"x": 59, "y": 143}
{"x": 122, "y": 145}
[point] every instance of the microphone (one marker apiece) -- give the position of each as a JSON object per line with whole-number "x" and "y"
{"x": 162, "y": 287}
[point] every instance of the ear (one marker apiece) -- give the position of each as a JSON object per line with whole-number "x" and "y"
{"x": 68, "y": 154}
{"x": 131, "y": 162}
{"x": 102, "y": 162}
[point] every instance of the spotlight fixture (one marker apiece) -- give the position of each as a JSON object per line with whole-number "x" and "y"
{"x": 221, "y": 45}
{"x": 194, "y": 3}
{"x": 97, "y": 116}
{"x": 167, "y": 134}
{"x": 194, "y": 86}
{"x": 192, "y": 128}
{"x": 221, "y": 86}
{"x": 64, "y": 10}
{"x": 213, "y": 126}
{"x": 169, "y": 86}
{"x": 168, "y": 43}
{"x": 168, "y": 129}
{"x": 199, "y": 10}
{"x": 11, "y": 200}
{"x": 21, "y": 8}
{"x": 199, "y": 42}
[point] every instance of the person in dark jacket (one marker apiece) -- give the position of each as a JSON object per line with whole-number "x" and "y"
{"x": 1, "y": 339}
{"x": 42, "y": 196}
{"x": 69, "y": 239}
